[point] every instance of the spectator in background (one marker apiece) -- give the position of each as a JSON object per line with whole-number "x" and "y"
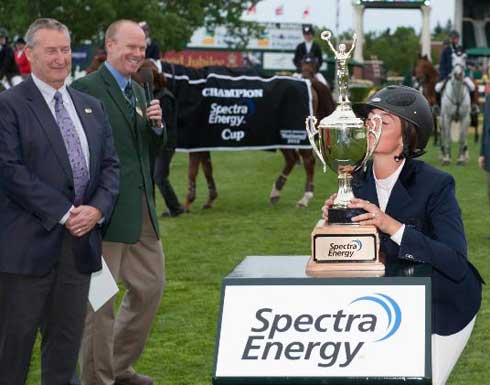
{"x": 165, "y": 153}
{"x": 152, "y": 49}
{"x": 446, "y": 61}
{"x": 9, "y": 73}
{"x": 307, "y": 47}
{"x": 100, "y": 57}
{"x": 21, "y": 58}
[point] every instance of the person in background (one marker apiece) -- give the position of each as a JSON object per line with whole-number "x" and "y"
{"x": 152, "y": 49}
{"x": 21, "y": 58}
{"x": 307, "y": 47}
{"x": 413, "y": 205}
{"x": 59, "y": 178}
{"x": 9, "y": 73}
{"x": 165, "y": 153}
{"x": 100, "y": 56}
{"x": 112, "y": 343}
{"x": 446, "y": 63}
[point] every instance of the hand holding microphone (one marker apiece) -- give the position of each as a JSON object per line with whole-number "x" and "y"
{"x": 153, "y": 111}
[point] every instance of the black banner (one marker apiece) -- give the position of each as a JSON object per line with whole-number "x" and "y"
{"x": 234, "y": 109}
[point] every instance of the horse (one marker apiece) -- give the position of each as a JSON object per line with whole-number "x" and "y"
{"x": 426, "y": 78}
{"x": 203, "y": 159}
{"x": 455, "y": 106}
{"x": 323, "y": 105}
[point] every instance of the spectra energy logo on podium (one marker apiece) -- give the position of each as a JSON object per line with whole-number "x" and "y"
{"x": 289, "y": 334}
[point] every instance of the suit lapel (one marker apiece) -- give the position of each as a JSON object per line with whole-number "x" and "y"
{"x": 46, "y": 120}
{"x": 364, "y": 186}
{"x": 116, "y": 93}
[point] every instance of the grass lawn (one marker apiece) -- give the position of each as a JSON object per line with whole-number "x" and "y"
{"x": 204, "y": 246}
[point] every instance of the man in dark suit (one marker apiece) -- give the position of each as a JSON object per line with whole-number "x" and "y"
{"x": 307, "y": 47}
{"x": 59, "y": 178}
{"x": 112, "y": 344}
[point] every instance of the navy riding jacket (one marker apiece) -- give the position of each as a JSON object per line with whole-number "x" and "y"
{"x": 423, "y": 198}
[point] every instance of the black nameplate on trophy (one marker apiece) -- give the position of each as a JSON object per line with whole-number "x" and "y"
{"x": 343, "y": 216}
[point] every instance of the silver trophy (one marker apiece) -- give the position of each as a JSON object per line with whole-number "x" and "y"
{"x": 343, "y": 141}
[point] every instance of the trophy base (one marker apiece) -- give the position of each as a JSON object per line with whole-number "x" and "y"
{"x": 343, "y": 215}
{"x": 340, "y": 250}
{"x": 323, "y": 270}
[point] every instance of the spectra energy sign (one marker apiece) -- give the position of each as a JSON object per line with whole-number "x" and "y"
{"x": 321, "y": 331}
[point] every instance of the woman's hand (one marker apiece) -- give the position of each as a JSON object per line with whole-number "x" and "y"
{"x": 327, "y": 205}
{"x": 374, "y": 216}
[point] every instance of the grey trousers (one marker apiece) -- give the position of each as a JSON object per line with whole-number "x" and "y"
{"x": 112, "y": 343}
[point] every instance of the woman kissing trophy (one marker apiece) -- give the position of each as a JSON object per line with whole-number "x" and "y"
{"x": 345, "y": 143}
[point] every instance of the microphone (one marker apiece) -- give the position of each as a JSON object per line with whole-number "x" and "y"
{"x": 146, "y": 76}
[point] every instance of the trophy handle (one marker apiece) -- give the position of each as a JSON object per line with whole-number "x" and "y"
{"x": 376, "y": 131}
{"x": 312, "y": 131}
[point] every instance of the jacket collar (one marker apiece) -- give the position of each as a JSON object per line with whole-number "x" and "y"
{"x": 115, "y": 92}
{"x": 364, "y": 186}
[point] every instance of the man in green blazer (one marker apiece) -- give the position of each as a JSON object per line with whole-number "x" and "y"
{"x": 131, "y": 247}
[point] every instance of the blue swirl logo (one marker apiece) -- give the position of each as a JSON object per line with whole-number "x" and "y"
{"x": 358, "y": 244}
{"x": 390, "y": 306}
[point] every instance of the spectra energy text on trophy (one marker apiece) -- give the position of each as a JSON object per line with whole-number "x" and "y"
{"x": 344, "y": 143}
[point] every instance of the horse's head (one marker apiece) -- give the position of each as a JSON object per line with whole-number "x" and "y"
{"x": 459, "y": 65}
{"x": 309, "y": 67}
{"x": 424, "y": 70}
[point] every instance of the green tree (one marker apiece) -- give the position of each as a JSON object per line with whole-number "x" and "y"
{"x": 398, "y": 50}
{"x": 172, "y": 22}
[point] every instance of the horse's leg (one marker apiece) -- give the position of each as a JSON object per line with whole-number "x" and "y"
{"x": 192, "y": 175}
{"x": 207, "y": 168}
{"x": 445, "y": 136}
{"x": 290, "y": 157}
{"x": 436, "y": 128}
{"x": 309, "y": 163}
{"x": 463, "y": 140}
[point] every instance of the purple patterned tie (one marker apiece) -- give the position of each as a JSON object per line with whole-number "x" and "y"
{"x": 73, "y": 147}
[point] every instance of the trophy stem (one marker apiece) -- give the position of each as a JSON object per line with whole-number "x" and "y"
{"x": 340, "y": 212}
{"x": 344, "y": 194}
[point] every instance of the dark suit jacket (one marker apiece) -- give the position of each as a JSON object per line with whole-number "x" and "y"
{"x": 300, "y": 53}
{"x": 132, "y": 141}
{"x": 36, "y": 181}
{"x": 423, "y": 198}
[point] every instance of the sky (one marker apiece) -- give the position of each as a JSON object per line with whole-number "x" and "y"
{"x": 323, "y": 13}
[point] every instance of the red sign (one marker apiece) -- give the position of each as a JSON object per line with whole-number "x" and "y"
{"x": 203, "y": 58}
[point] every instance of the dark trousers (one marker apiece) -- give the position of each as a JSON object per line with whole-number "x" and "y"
{"x": 54, "y": 303}
{"x": 162, "y": 170}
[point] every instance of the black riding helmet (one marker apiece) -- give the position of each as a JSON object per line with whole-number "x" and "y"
{"x": 408, "y": 104}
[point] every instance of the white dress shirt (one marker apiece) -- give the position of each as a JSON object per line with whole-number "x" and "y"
{"x": 308, "y": 45}
{"x": 383, "y": 190}
{"x": 48, "y": 94}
